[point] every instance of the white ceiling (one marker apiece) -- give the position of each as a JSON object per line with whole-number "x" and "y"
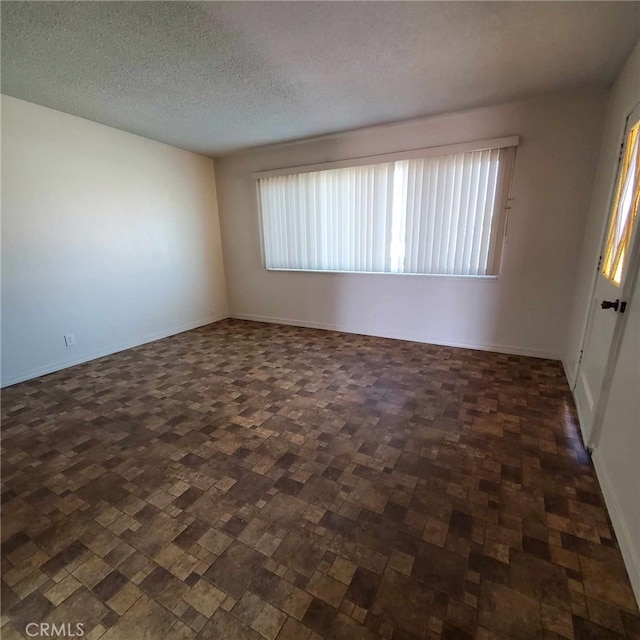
{"x": 217, "y": 76}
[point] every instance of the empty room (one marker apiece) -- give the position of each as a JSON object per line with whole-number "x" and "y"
{"x": 320, "y": 320}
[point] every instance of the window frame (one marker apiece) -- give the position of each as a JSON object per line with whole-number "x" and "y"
{"x": 615, "y": 264}
{"x": 508, "y": 144}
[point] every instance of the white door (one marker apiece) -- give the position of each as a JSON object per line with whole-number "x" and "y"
{"x": 610, "y": 293}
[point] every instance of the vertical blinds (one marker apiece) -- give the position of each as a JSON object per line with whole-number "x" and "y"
{"x": 435, "y": 215}
{"x": 336, "y": 220}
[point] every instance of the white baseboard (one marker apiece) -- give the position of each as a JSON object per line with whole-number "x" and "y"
{"x": 498, "y": 348}
{"x": 569, "y": 373}
{"x": 58, "y": 366}
{"x": 572, "y": 378}
{"x": 627, "y": 547}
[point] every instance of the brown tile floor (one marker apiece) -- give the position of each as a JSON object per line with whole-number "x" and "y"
{"x": 247, "y": 480}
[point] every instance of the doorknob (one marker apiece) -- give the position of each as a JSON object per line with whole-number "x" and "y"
{"x": 608, "y": 304}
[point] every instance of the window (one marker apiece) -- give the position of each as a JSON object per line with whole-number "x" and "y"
{"x": 624, "y": 210}
{"x": 426, "y": 212}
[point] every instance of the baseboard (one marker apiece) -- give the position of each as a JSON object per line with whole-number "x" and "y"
{"x": 58, "y": 366}
{"x": 581, "y": 421}
{"x": 497, "y": 348}
{"x": 569, "y": 373}
{"x": 627, "y": 547}
{"x": 571, "y": 376}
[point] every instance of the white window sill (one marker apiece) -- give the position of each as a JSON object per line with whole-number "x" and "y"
{"x": 386, "y": 273}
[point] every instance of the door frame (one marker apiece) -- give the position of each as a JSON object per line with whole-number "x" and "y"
{"x": 633, "y": 266}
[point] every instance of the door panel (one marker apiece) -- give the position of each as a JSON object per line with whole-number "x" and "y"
{"x": 595, "y": 354}
{"x": 610, "y": 281}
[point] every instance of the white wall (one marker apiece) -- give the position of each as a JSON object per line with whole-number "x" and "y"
{"x": 625, "y": 93}
{"x": 525, "y": 310}
{"x": 105, "y": 234}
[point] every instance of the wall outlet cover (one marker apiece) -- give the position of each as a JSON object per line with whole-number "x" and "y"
{"x": 69, "y": 339}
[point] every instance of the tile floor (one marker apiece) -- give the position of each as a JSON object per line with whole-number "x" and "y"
{"x": 247, "y": 480}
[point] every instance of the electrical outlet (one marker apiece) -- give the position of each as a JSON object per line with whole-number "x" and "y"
{"x": 69, "y": 340}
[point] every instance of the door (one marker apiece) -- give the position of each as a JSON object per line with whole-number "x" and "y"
{"x": 611, "y": 287}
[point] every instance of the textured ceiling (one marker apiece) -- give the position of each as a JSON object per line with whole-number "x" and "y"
{"x": 217, "y": 76}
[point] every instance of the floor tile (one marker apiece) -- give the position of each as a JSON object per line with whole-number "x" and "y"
{"x": 251, "y": 481}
